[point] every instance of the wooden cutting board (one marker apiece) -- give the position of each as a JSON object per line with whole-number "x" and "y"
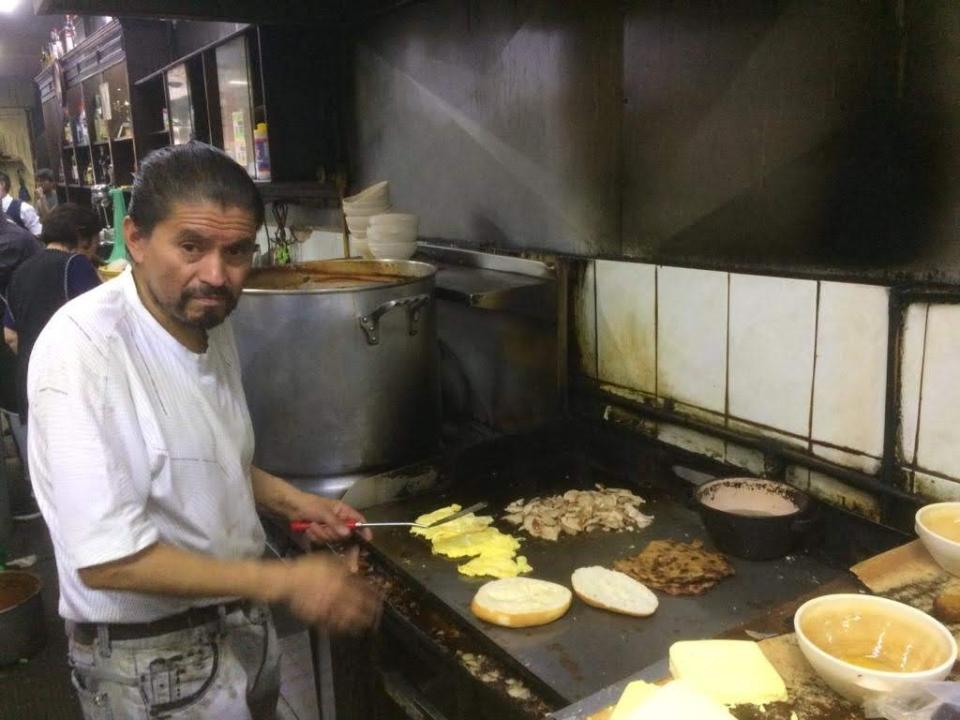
{"x": 906, "y": 573}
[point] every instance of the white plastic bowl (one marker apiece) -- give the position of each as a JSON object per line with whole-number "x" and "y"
{"x": 366, "y": 211}
{"x": 360, "y": 247}
{"x": 864, "y": 627}
{"x": 391, "y": 251}
{"x": 388, "y": 235}
{"x": 945, "y": 551}
{"x": 404, "y": 220}
{"x": 357, "y": 224}
{"x": 378, "y": 192}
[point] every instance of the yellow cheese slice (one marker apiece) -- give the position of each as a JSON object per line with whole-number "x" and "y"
{"x": 634, "y": 695}
{"x": 678, "y": 700}
{"x": 732, "y": 672}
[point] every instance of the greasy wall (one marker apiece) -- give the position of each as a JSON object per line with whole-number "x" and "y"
{"x": 809, "y": 138}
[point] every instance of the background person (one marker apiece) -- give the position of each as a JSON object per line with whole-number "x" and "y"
{"x": 22, "y": 213}
{"x": 47, "y": 280}
{"x": 46, "y": 195}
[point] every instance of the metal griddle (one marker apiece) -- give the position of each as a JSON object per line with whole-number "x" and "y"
{"x": 589, "y": 649}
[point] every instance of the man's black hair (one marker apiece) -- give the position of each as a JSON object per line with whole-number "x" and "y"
{"x": 5, "y": 181}
{"x": 194, "y": 172}
{"x": 69, "y": 224}
{"x": 45, "y": 174}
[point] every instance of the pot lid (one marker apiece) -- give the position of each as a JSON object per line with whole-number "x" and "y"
{"x": 325, "y": 276}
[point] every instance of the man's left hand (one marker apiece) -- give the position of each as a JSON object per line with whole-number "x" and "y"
{"x": 329, "y": 519}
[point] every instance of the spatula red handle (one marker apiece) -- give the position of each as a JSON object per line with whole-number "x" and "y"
{"x": 303, "y": 525}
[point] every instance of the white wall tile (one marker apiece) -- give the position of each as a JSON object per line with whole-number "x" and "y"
{"x": 936, "y": 489}
{"x": 772, "y": 328}
{"x": 697, "y": 413}
{"x": 626, "y": 329}
{"x": 939, "y": 446}
{"x": 585, "y": 321}
{"x": 692, "y": 336}
{"x": 911, "y": 372}
{"x": 856, "y": 461}
{"x": 834, "y": 492}
{"x": 746, "y": 458}
{"x": 756, "y": 430}
{"x": 692, "y": 441}
{"x": 851, "y": 369}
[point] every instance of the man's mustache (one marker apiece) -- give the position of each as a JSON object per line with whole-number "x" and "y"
{"x": 207, "y": 292}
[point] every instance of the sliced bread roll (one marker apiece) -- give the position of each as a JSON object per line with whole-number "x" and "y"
{"x": 612, "y": 590}
{"x": 521, "y": 602}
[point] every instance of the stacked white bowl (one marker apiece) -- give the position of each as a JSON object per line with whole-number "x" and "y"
{"x": 359, "y": 208}
{"x": 393, "y": 236}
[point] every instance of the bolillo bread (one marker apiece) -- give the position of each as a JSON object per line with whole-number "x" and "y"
{"x": 614, "y": 591}
{"x": 521, "y": 602}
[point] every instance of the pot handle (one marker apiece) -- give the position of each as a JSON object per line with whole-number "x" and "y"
{"x": 370, "y": 323}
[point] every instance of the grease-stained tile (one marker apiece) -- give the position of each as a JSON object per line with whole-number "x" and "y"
{"x": 758, "y": 431}
{"x": 911, "y": 372}
{"x": 832, "y": 491}
{"x": 937, "y": 449}
{"x": 798, "y": 476}
{"x": 856, "y": 461}
{"x": 936, "y": 489}
{"x": 692, "y": 441}
{"x": 626, "y": 324}
{"x": 692, "y": 336}
{"x": 745, "y": 458}
{"x": 851, "y": 370}
{"x": 772, "y": 329}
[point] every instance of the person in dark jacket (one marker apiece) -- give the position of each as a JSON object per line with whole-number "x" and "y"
{"x": 44, "y": 282}
{"x": 16, "y": 246}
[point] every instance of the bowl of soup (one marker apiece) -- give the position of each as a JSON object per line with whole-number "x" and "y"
{"x": 861, "y": 645}
{"x": 938, "y": 527}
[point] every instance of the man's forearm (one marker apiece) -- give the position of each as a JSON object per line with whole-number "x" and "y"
{"x": 167, "y": 570}
{"x": 276, "y": 495}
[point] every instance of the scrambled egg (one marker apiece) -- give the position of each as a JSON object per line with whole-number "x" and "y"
{"x": 494, "y": 553}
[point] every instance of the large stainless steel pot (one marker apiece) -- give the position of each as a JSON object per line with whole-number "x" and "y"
{"x": 339, "y": 364}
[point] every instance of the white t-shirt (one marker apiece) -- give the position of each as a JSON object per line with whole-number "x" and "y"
{"x": 27, "y": 214}
{"x": 135, "y": 439}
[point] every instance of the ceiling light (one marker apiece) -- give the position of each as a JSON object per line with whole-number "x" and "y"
{"x": 229, "y": 82}
{"x": 8, "y": 6}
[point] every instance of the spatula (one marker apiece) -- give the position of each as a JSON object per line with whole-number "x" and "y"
{"x": 301, "y": 525}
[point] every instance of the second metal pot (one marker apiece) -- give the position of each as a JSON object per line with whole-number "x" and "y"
{"x": 339, "y": 363}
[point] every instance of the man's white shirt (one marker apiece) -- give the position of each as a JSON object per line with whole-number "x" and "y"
{"x": 28, "y": 215}
{"x": 134, "y": 439}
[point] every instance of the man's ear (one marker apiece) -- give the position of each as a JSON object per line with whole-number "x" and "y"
{"x": 135, "y": 240}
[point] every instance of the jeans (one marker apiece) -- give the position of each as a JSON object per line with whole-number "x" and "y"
{"x": 224, "y": 669}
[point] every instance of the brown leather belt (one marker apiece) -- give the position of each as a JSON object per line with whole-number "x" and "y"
{"x": 86, "y": 633}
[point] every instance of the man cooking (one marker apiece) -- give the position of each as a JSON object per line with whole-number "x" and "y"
{"x": 140, "y": 453}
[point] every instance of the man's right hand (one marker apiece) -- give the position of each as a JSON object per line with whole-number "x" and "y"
{"x": 322, "y": 591}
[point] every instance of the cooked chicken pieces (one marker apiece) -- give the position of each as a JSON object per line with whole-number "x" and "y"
{"x": 578, "y": 511}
